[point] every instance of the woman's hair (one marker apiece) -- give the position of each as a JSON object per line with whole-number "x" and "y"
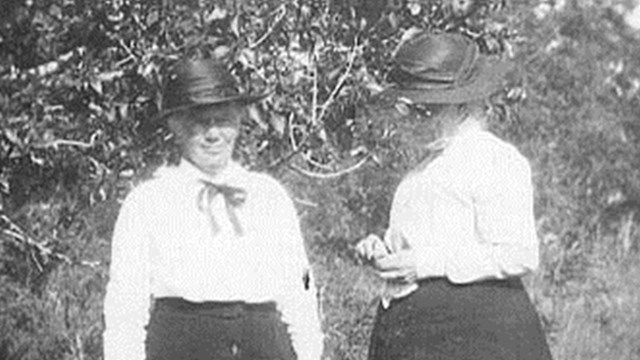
{"x": 455, "y": 114}
{"x": 440, "y": 120}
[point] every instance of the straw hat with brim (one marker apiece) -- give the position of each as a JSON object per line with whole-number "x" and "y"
{"x": 444, "y": 68}
{"x": 202, "y": 83}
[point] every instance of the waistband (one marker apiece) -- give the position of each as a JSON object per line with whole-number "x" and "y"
{"x": 512, "y": 282}
{"x": 180, "y": 304}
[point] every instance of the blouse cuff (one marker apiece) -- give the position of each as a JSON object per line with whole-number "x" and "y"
{"x": 430, "y": 262}
{"x": 299, "y": 311}
{"x": 308, "y": 346}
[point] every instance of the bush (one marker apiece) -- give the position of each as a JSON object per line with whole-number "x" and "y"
{"x": 81, "y": 81}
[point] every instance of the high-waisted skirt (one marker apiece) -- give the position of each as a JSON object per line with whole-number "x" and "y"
{"x": 488, "y": 320}
{"x": 183, "y": 330}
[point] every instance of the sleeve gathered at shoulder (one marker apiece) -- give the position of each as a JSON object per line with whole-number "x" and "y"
{"x": 127, "y": 301}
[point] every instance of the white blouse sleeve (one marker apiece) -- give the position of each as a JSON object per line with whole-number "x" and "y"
{"x": 127, "y": 301}
{"x": 506, "y": 241}
{"x": 297, "y": 299}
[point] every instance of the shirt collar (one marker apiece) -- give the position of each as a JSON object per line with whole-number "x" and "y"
{"x": 466, "y": 134}
{"x": 232, "y": 174}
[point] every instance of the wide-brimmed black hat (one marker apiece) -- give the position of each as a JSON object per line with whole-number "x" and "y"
{"x": 444, "y": 68}
{"x": 201, "y": 82}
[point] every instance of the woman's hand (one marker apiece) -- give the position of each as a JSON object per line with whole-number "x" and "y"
{"x": 397, "y": 267}
{"x": 371, "y": 247}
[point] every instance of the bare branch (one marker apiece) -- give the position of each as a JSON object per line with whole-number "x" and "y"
{"x": 304, "y": 202}
{"x": 120, "y": 63}
{"x": 54, "y": 65}
{"x": 315, "y": 116}
{"x": 127, "y": 49}
{"x": 314, "y": 99}
{"x": 35, "y": 260}
{"x": 281, "y": 12}
{"x": 333, "y": 175}
{"x": 292, "y": 128}
{"x": 19, "y": 236}
{"x": 63, "y": 142}
{"x": 341, "y": 81}
{"x": 307, "y": 157}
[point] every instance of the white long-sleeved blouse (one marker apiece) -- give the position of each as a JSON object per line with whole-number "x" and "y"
{"x": 163, "y": 246}
{"x": 468, "y": 215}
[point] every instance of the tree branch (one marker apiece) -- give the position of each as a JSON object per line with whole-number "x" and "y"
{"x": 315, "y": 116}
{"x": 281, "y": 11}
{"x": 304, "y": 202}
{"x": 60, "y": 142}
{"x": 17, "y": 235}
{"x": 314, "y": 98}
{"x": 54, "y": 65}
{"x": 341, "y": 81}
{"x": 333, "y": 175}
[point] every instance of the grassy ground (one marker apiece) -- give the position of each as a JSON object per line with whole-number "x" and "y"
{"x": 594, "y": 318}
{"x": 588, "y": 296}
{"x": 579, "y": 127}
{"x": 587, "y": 291}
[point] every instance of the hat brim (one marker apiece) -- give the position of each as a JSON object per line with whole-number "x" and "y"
{"x": 489, "y": 79}
{"x": 242, "y": 100}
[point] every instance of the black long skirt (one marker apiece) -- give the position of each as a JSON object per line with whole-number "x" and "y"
{"x": 489, "y": 320}
{"x": 183, "y": 330}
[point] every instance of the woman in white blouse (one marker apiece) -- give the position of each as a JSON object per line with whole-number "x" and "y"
{"x": 461, "y": 230}
{"x": 207, "y": 258}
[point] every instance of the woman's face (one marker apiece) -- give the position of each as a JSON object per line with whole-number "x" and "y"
{"x": 208, "y": 136}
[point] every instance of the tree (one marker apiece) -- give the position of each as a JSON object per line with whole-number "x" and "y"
{"x": 82, "y": 80}
{"x": 80, "y": 85}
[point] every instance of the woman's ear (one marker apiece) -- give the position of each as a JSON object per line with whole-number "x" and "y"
{"x": 175, "y": 127}
{"x": 173, "y": 124}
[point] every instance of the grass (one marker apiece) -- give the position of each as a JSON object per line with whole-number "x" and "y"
{"x": 594, "y": 318}
{"x": 587, "y": 291}
{"x": 588, "y": 298}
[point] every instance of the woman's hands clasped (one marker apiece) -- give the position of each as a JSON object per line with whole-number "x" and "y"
{"x": 372, "y": 247}
{"x": 394, "y": 260}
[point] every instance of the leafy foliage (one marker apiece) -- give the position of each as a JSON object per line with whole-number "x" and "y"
{"x": 80, "y": 83}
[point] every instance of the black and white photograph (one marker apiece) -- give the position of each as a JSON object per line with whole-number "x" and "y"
{"x": 319, "y": 179}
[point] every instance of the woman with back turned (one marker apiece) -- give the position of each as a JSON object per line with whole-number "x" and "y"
{"x": 461, "y": 231}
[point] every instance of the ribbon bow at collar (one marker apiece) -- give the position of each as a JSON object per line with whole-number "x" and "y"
{"x": 233, "y": 196}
